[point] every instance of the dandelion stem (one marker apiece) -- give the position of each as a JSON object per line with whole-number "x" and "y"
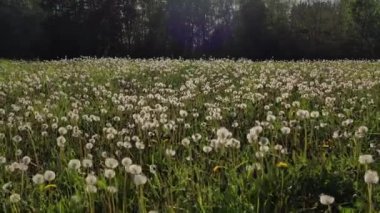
{"x": 370, "y": 198}
{"x": 141, "y": 200}
{"x": 282, "y": 189}
{"x": 90, "y": 203}
{"x": 125, "y": 193}
{"x": 305, "y": 141}
{"x": 22, "y": 182}
{"x": 34, "y": 148}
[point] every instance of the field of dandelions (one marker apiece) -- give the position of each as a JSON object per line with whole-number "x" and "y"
{"x": 121, "y": 135}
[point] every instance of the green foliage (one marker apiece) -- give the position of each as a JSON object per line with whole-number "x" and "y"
{"x": 256, "y": 29}
{"x": 106, "y": 109}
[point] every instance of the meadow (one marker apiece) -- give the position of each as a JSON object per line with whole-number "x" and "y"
{"x": 123, "y": 135}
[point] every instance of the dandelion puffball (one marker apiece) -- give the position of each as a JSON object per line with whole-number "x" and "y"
{"x": 285, "y": 130}
{"x": 38, "y": 179}
{"x": 91, "y": 179}
{"x": 109, "y": 173}
{"x": 49, "y": 175}
{"x": 126, "y": 161}
{"x": 366, "y": 159}
{"x": 91, "y": 189}
{"x": 371, "y": 177}
{"x": 134, "y": 169}
{"x": 140, "y": 179}
{"x": 26, "y": 160}
{"x": 326, "y": 199}
{"x": 74, "y": 164}
{"x": 111, "y": 163}
{"x": 185, "y": 142}
{"x": 15, "y": 198}
{"x": 87, "y": 163}
{"x": 112, "y": 189}
{"x": 207, "y": 149}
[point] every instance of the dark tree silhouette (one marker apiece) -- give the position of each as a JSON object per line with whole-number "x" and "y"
{"x": 256, "y": 29}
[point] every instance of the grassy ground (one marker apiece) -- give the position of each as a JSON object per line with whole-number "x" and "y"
{"x": 113, "y": 135}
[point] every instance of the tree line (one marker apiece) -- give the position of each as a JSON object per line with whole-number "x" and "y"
{"x": 255, "y": 29}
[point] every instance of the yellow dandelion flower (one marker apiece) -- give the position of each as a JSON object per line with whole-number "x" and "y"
{"x": 282, "y": 165}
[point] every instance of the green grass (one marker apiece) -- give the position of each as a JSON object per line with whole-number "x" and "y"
{"x": 105, "y": 104}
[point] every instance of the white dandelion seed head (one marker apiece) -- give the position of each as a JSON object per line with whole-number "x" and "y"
{"x": 271, "y": 118}
{"x": 140, "y": 145}
{"x": 207, "y": 149}
{"x": 259, "y": 154}
{"x": 112, "y": 189}
{"x": 285, "y": 130}
{"x": 302, "y": 114}
{"x": 17, "y": 138}
{"x": 109, "y": 173}
{"x": 361, "y": 132}
{"x": 49, "y": 175}
{"x": 18, "y": 152}
{"x": 326, "y": 199}
{"x": 371, "y": 177}
{"x": 264, "y": 148}
{"x": 153, "y": 169}
{"x": 314, "y": 114}
{"x": 91, "y": 179}
{"x": 22, "y": 167}
{"x": 363, "y": 129}
{"x": 111, "y": 163}
{"x": 223, "y": 133}
{"x": 91, "y": 189}
{"x": 62, "y": 130}
{"x": 252, "y": 137}
{"x": 185, "y": 142}
{"x": 26, "y": 160}
{"x": 140, "y": 179}
{"x": 3, "y": 160}
{"x": 366, "y": 159}
{"x": 196, "y": 137}
{"x": 89, "y": 146}
{"x": 61, "y": 141}
{"x": 256, "y": 130}
{"x": 134, "y": 169}
{"x": 126, "y": 161}
{"x": 15, "y": 198}
{"x": 170, "y": 152}
{"x": 87, "y": 163}
{"x": 12, "y": 167}
{"x": 38, "y": 179}
{"x": 74, "y": 164}
{"x": 183, "y": 113}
